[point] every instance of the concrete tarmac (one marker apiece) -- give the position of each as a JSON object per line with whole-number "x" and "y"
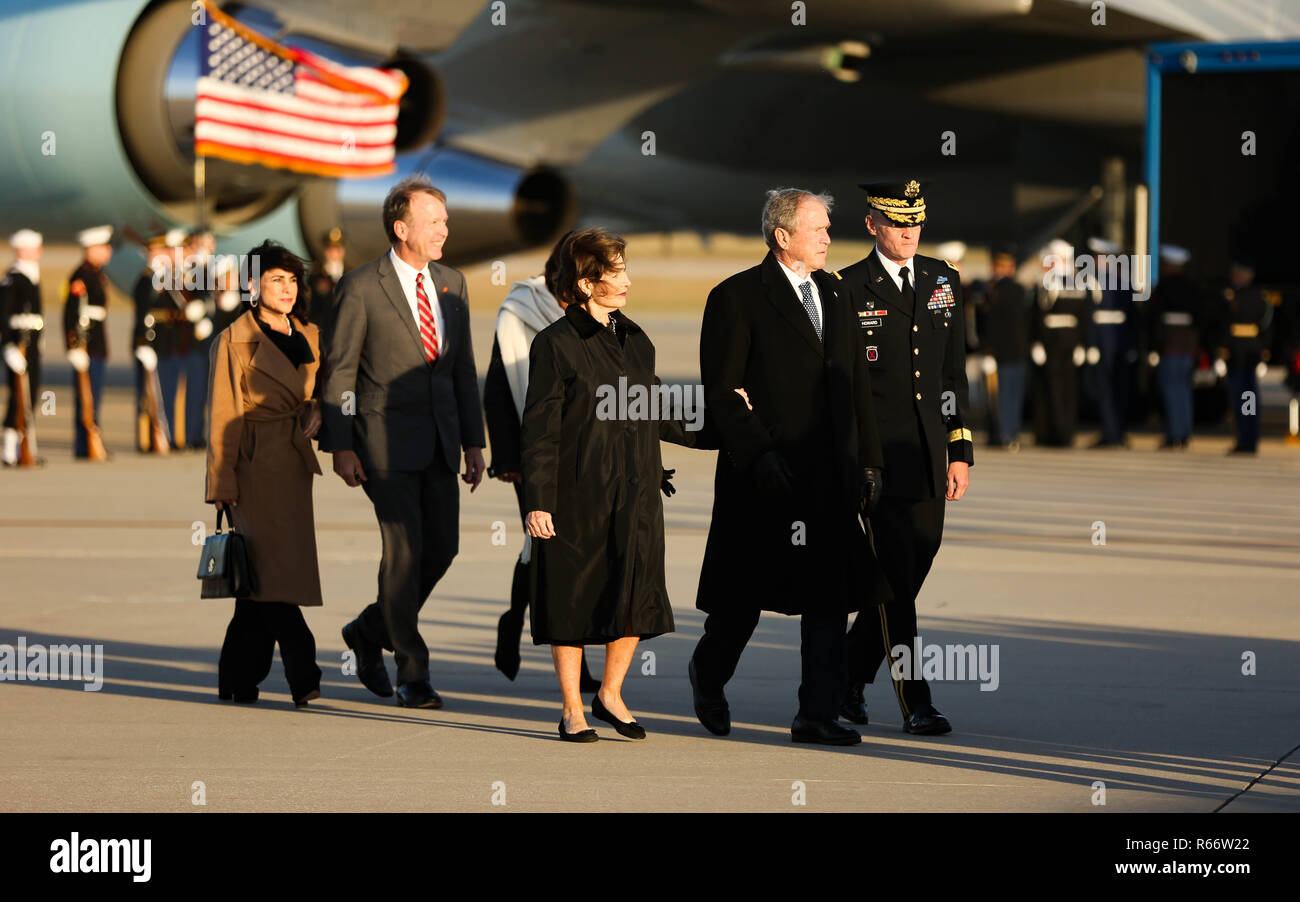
{"x": 1118, "y": 663}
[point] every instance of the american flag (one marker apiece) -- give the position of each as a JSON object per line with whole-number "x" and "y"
{"x": 260, "y": 102}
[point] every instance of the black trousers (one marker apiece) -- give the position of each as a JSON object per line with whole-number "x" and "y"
{"x": 906, "y": 533}
{"x": 418, "y": 515}
{"x": 821, "y": 634}
{"x": 250, "y": 644}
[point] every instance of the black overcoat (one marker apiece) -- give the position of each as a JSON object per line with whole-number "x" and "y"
{"x": 596, "y": 469}
{"x": 812, "y": 404}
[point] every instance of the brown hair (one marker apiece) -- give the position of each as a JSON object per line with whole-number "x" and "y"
{"x": 552, "y": 267}
{"x": 397, "y": 205}
{"x": 587, "y": 254}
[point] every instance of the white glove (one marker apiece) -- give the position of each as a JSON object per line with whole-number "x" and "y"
{"x": 15, "y": 360}
{"x": 1038, "y": 353}
{"x": 1261, "y": 369}
{"x": 1094, "y": 355}
{"x": 989, "y": 365}
{"x": 195, "y": 311}
{"x": 1220, "y": 367}
{"x": 148, "y": 357}
{"x": 1153, "y": 359}
{"x": 1079, "y": 355}
{"x": 203, "y": 328}
{"x": 79, "y": 359}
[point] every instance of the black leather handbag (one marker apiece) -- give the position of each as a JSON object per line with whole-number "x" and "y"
{"x": 224, "y": 567}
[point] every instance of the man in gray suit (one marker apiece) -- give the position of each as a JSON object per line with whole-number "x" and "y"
{"x": 401, "y": 399}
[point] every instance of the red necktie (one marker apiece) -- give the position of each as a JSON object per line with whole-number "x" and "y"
{"x": 428, "y": 331}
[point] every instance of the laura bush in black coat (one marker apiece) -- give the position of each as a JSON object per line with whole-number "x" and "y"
{"x": 592, "y": 476}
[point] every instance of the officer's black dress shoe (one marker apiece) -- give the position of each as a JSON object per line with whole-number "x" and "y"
{"x": 713, "y": 712}
{"x": 300, "y": 701}
{"x": 1238, "y": 449}
{"x": 926, "y": 721}
{"x": 417, "y": 695}
{"x": 370, "y": 662}
{"x": 854, "y": 708}
{"x": 823, "y": 732}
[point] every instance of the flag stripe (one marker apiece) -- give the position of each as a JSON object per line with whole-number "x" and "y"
{"x": 293, "y": 106}
{"x": 292, "y": 126}
{"x": 240, "y": 154}
{"x": 336, "y": 154}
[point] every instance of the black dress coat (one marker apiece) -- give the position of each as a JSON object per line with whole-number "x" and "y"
{"x": 601, "y": 576}
{"x": 812, "y": 405}
{"x": 917, "y": 359}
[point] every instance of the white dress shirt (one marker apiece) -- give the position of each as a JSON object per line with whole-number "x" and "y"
{"x": 893, "y": 269}
{"x": 406, "y": 274}
{"x": 795, "y": 281}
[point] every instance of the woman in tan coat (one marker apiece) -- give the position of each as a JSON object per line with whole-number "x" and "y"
{"x": 261, "y": 418}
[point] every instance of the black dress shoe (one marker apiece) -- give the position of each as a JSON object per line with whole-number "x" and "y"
{"x": 713, "y": 712}
{"x": 587, "y": 735}
{"x": 417, "y": 695}
{"x": 509, "y": 629}
{"x": 926, "y": 721}
{"x": 587, "y": 682}
{"x": 300, "y": 701}
{"x": 370, "y": 662}
{"x": 242, "y": 696}
{"x": 632, "y": 729}
{"x": 854, "y": 708}
{"x": 823, "y": 732}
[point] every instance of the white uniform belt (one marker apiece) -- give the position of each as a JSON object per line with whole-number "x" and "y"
{"x": 1060, "y": 321}
{"x": 98, "y": 314}
{"x": 1177, "y": 319}
{"x": 27, "y": 322}
{"x": 1109, "y": 317}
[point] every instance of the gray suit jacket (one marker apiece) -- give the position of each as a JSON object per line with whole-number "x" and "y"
{"x": 400, "y": 409}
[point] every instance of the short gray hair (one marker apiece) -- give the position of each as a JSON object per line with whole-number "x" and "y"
{"x": 782, "y": 210}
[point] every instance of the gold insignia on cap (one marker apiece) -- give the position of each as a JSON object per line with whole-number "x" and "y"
{"x": 913, "y": 188}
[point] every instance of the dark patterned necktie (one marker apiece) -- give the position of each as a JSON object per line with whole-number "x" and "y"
{"x": 805, "y": 290}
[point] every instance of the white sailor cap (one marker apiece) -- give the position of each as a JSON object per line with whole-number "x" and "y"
{"x": 25, "y": 238}
{"x": 94, "y": 236}
{"x": 1103, "y": 246}
{"x": 1172, "y": 253}
{"x": 951, "y": 250}
{"x": 175, "y": 237}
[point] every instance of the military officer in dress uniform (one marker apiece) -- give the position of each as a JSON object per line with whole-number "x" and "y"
{"x": 1176, "y": 311}
{"x": 1058, "y": 332}
{"x": 200, "y": 310}
{"x": 21, "y": 328}
{"x": 1005, "y": 341}
{"x": 325, "y": 275}
{"x": 912, "y": 325}
{"x": 1242, "y": 332}
{"x": 1112, "y": 342}
{"x": 85, "y": 311}
{"x": 160, "y": 340}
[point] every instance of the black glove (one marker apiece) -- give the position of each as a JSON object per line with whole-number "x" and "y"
{"x": 873, "y": 479}
{"x": 666, "y": 483}
{"x": 773, "y": 476}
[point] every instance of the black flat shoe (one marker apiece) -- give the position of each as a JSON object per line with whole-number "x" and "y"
{"x": 632, "y": 730}
{"x": 301, "y": 701}
{"x": 587, "y": 735}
